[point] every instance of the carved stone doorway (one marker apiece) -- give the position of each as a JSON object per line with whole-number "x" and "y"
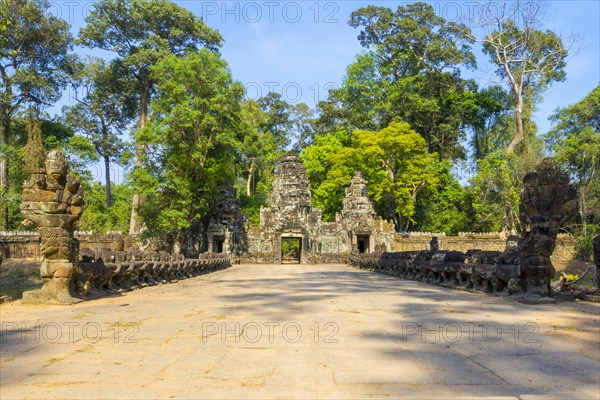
{"x": 362, "y": 242}
{"x": 218, "y": 243}
{"x": 291, "y": 250}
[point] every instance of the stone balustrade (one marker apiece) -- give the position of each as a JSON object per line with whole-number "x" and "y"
{"x": 490, "y": 272}
{"x": 102, "y": 272}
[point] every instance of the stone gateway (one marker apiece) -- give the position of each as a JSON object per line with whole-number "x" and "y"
{"x": 290, "y": 218}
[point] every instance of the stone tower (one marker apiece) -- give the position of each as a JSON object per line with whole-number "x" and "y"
{"x": 290, "y": 214}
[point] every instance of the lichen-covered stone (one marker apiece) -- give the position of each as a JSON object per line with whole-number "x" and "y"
{"x": 53, "y": 200}
{"x": 548, "y": 202}
{"x": 291, "y": 215}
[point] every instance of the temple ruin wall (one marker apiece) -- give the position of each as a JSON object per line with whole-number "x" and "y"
{"x": 25, "y": 246}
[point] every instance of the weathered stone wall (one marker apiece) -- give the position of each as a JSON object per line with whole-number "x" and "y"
{"x": 24, "y": 246}
{"x": 419, "y": 241}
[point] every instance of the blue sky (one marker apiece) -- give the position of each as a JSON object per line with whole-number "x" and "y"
{"x": 300, "y": 48}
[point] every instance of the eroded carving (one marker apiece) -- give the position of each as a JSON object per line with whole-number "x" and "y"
{"x": 548, "y": 202}
{"x": 53, "y": 201}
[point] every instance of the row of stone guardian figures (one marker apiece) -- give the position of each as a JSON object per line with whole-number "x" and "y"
{"x": 101, "y": 272}
{"x": 490, "y": 272}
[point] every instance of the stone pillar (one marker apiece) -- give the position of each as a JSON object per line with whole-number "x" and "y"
{"x": 53, "y": 201}
{"x": 548, "y": 203}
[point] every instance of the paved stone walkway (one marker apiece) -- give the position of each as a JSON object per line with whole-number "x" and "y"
{"x": 327, "y": 331}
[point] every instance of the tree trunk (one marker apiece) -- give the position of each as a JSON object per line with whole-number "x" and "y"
{"x": 398, "y": 222}
{"x": 134, "y": 224}
{"x": 508, "y": 222}
{"x": 519, "y": 119}
{"x": 4, "y": 220}
{"x": 249, "y": 180}
{"x": 107, "y": 178}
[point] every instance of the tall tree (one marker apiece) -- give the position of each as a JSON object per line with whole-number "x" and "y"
{"x": 303, "y": 121}
{"x": 495, "y": 192}
{"x": 259, "y": 150}
{"x": 528, "y": 59}
{"x": 104, "y": 108}
{"x": 491, "y": 122}
{"x": 330, "y": 166}
{"x": 34, "y": 62}
{"x": 394, "y": 160}
{"x": 575, "y": 140}
{"x": 410, "y": 73}
{"x": 399, "y": 168}
{"x": 141, "y": 33}
{"x": 275, "y": 125}
{"x": 193, "y": 139}
{"x": 277, "y": 119}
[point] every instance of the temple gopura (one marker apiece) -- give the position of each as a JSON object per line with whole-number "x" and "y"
{"x": 291, "y": 218}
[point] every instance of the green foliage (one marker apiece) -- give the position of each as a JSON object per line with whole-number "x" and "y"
{"x": 446, "y": 209}
{"x": 398, "y": 167}
{"x": 495, "y": 191}
{"x": 492, "y": 123}
{"x": 251, "y": 205}
{"x": 276, "y": 119}
{"x": 101, "y": 114}
{"x": 143, "y": 32}
{"x": 34, "y": 61}
{"x": 271, "y": 125}
{"x": 34, "y": 55}
{"x": 53, "y": 135}
{"x": 329, "y": 170}
{"x": 259, "y": 151}
{"x": 394, "y": 160}
{"x": 411, "y": 73}
{"x": 290, "y": 247}
{"x": 527, "y": 58}
{"x": 97, "y": 216}
{"x": 575, "y": 140}
{"x": 193, "y": 140}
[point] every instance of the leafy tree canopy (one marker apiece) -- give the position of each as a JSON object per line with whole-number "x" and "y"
{"x": 410, "y": 73}
{"x": 193, "y": 140}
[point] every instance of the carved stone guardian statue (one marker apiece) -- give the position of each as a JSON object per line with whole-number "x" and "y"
{"x": 53, "y": 201}
{"x": 548, "y": 203}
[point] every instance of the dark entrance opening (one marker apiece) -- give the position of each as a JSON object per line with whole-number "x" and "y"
{"x": 362, "y": 242}
{"x": 218, "y": 242}
{"x": 291, "y": 248}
